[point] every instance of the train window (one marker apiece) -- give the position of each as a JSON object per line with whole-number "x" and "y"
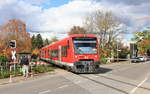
{"x": 43, "y": 53}
{"x": 64, "y": 51}
{"x": 85, "y": 45}
{"x": 49, "y": 52}
{"x": 54, "y": 53}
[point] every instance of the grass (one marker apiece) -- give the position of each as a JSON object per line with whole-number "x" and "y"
{"x": 4, "y": 74}
{"x": 42, "y": 69}
{"x": 36, "y": 69}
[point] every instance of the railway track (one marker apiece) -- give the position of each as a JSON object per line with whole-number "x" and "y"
{"x": 123, "y": 82}
{"x": 88, "y": 77}
{"x": 101, "y": 83}
{"x": 109, "y": 82}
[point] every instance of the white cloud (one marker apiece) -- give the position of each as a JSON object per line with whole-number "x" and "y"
{"x": 57, "y": 21}
{"x": 13, "y": 9}
{"x": 61, "y": 19}
{"x": 52, "y": 20}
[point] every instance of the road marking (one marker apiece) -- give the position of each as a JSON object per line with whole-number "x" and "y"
{"x": 95, "y": 76}
{"x": 134, "y": 89}
{"x": 77, "y": 82}
{"x": 64, "y": 86}
{"x": 44, "y": 92}
{"x": 102, "y": 83}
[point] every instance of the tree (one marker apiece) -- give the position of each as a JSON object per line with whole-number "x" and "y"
{"x": 14, "y": 30}
{"x": 23, "y": 41}
{"x": 33, "y": 42}
{"x": 39, "y": 41}
{"x": 54, "y": 39}
{"x": 145, "y": 35}
{"x": 35, "y": 53}
{"x": 142, "y": 40}
{"x": 143, "y": 46}
{"x": 105, "y": 25}
{"x": 46, "y": 42}
{"x": 3, "y": 60}
{"x": 37, "y": 44}
{"x": 124, "y": 51}
{"x": 77, "y": 30}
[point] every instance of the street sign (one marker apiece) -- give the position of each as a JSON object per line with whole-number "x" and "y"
{"x": 13, "y": 52}
{"x": 12, "y": 44}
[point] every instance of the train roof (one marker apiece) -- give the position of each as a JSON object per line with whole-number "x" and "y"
{"x": 71, "y": 36}
{"x": 82, "y": 35}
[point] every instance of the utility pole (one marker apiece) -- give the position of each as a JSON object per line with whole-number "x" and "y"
{"x": 117, "y": 51}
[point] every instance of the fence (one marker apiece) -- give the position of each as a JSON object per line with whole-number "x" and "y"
{"x": 15, "y": 69}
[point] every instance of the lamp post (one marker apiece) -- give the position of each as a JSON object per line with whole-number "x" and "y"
{"x": 132, "y": 50}
{"x": 118, "y": 52}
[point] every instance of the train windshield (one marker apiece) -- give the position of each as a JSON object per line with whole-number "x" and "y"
{"x": 85, "y": 45}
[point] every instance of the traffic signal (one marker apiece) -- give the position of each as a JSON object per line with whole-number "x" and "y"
{"x": 12, "y": 44}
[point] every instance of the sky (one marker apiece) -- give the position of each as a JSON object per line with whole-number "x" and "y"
{"x": 53, "y": 18}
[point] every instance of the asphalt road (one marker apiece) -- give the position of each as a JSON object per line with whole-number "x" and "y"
{"x": 120, "y": 78}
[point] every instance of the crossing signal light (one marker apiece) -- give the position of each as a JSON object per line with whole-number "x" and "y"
{"x": 12, "y": 44}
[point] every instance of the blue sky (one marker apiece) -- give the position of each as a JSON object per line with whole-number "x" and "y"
{"x": 57, "y": 17}
{"x": 55, "y": 3}
{"x": 45, "y": 4}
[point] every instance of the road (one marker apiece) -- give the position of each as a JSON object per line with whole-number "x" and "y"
{"x": 120, "y": 78}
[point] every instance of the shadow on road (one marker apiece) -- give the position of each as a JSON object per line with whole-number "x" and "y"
{"x": 104, "y": 70}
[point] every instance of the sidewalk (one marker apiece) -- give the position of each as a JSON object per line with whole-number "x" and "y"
{"x": 14, "y": 79}
{"x": 17, "y": 79}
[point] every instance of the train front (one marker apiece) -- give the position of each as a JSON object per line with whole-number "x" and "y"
{"x": 86, "y": 55}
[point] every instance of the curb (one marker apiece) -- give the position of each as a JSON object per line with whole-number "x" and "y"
{"x": 6, "y": 80}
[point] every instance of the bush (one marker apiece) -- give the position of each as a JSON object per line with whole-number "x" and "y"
{"x": 103, "y": 61}
{"x": 17, "y": 72}
{"x": 4, "y": 74}
{"x": 42, "y": 69}
{"x": 36, "y": 69}
{"x": 3, "y": 59}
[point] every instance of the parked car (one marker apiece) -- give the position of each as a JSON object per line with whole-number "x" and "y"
{"x": 148, "y": 58}
{"x": 135, "y": 60}
{"x": 142, "y": 58}
{"x": 139, "y": 59}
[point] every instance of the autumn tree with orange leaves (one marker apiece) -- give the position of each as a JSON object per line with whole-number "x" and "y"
{"x": 14, "y": 30}
{"x": 77, "y": 30}
{"x": 143, "y": 41}
{"x": 143, "y": 46}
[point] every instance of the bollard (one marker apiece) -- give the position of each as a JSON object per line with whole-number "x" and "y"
{"x": 14, "y": 67}
{"x": 10, "y": 78}
{"x": 31, "y": 71}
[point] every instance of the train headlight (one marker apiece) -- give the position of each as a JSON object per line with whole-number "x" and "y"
{"x": 96, "y": 56}
{"x": 76, "y": 56}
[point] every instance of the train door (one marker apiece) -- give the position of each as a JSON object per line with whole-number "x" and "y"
{"x": 59, "y": 52}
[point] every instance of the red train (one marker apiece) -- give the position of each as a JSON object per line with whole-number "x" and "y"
{"x": 78, "y": 53}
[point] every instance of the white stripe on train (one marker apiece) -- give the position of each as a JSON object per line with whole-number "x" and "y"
{"x": 57, "y": 62}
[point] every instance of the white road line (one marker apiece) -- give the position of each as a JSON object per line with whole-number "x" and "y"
{"x": 77, "y": 82}
{"x": 64, "y": 86}
{"x": 134, "y": 89}
{"x": 95, "y": 76}
{"x": 44, "y": 92}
